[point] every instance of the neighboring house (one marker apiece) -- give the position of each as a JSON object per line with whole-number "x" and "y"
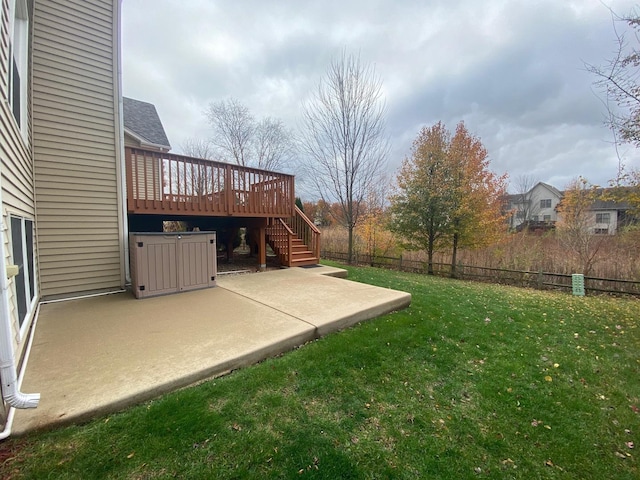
{"x": 142, "y": 126}
{"x": 607, "y": 216}
{"x": 74, "y": 179}
{"x": 534, "y": 208}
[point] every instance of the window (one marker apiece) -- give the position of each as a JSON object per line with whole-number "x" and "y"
{"x": 602, "y": 231}
{"x": 603, "y": 218}
{"x": 534, "y": 218}
{"x": 545, "y": 203}
{"x": 547, "y": 218}
{"x": 22, "y": 255}
{"x": 18, "y": 68}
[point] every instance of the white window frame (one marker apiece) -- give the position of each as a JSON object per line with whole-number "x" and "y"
{"x": 544, "y": 202}
{"x": 18, "y": 52}
{"x": 32, "y": 297}
{"x": 602, "y": 218}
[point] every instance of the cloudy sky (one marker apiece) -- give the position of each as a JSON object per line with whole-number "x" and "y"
{"x": 512, "y": 70}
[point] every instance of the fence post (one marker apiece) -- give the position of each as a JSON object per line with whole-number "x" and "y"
{"x": 540, "y": 279}
{"x": 400, "y": 263}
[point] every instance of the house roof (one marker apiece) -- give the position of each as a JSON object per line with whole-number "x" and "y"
{"x": 141, "y": 120}
{"x": 525, "y": 196}
{"x": 551, "y": 188}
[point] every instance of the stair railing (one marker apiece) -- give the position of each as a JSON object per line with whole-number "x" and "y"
{"x": 282, "y": 238}
{"x": 306, "y": 231}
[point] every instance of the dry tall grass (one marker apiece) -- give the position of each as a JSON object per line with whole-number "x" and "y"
{"x": 618, "y": 256}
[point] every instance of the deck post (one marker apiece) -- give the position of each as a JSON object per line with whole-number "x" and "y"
{"x": 262, "y": 246}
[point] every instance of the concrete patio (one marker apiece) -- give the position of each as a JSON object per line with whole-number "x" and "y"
{"x": 101, "y": 354}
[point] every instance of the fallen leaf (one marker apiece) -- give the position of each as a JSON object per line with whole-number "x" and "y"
{"x": 131, "y": 455}
{"x": 549, "y": 463}
{"x": 548, "y": 378}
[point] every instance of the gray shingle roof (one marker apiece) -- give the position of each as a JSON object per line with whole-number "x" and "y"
{"x": 141, "y": 119}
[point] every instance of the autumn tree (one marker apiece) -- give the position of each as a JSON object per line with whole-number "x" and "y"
{"x": 318, "y": 212}
{"x": 239, "y": 138}
{"x": 446, "y": 195}
{"x": 372, "y": 230}
{"x": 422, "y": 204}
{"x": 477, "y": 218}
{"x": 343, "y": 137}
{"x": 576, "y": 222}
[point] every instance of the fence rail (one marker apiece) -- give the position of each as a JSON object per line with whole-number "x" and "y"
{"x": 521, "y": 278}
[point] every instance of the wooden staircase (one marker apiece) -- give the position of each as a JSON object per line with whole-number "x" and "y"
{"x": 296, "y": 240}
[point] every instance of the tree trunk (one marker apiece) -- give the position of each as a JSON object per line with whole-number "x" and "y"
{"x": 430, "y": 256}
{"x": 454, "y": 255}
{"x": 350, "y": 248}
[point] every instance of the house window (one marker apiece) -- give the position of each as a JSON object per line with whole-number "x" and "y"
{"x": 535, "y": 218}
{"x": 23, "y": 256}
{"x": 547, "y": 218}
{"x": 602, "y": 231}
{"x": 545, "y": 203}
{"x": 18, "y": 68}
{"x": 603, "y": 218}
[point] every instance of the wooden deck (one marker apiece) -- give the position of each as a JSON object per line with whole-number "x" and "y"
{"x": 175, "y": 186}
{"x": 169, "y": 184}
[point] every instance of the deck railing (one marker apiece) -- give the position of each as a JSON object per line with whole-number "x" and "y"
{"x": 306, "y": 231}
{"x": 170, "y": 184}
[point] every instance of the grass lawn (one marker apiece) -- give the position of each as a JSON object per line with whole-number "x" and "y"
{"x": 471, "y": 381}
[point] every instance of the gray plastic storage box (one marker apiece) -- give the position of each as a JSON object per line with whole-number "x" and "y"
{"x": 163, "y": 263}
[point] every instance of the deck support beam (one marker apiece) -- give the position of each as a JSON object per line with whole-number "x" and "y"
{"x": 262, "y": 247}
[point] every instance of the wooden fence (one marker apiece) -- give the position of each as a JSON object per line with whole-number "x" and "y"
{"x": 521, "y": 278}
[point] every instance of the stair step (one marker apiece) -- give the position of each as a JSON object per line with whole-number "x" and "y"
{"x": 301, "y": 262}
{"x": 303, "y": 253}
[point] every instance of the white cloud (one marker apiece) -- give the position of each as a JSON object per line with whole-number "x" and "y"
{"x": 512, "y": 70}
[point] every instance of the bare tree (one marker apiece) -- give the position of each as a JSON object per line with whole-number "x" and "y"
{"x": 272, "y": 144}
{"x": 344, "y": 137}
{"x": 233, "y": 130}
{"x": 525, "y": 208}
{"x": 197, "y": 148}
{"x": 196, "y": 176}
{"x": 618, "y": 80}
{"x": 239, "y": 138}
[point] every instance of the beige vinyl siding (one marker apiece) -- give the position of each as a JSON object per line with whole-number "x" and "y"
{"x": 129, "y": 141}
{"x": 146, "y": 167}
{"x": 16, "y": 171}
{"x": 75, "y": 147}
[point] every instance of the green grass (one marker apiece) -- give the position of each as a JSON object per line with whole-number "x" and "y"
{"x": 471, "y": 381}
